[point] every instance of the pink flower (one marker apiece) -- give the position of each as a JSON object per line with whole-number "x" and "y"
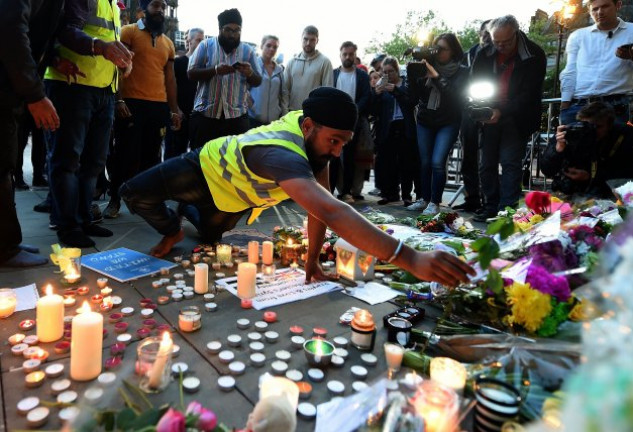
{"x": 207, "y": 420}
{"x": 171, "y": 421}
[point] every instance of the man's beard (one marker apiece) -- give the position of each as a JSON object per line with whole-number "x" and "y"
{"x": 317, "y": 163}
{"x": 155, "y": 23}
{"x": 228, "y": 44}
{"x": 348, "y": 63}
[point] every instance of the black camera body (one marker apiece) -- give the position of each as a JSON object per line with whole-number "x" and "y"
{"x": 422, "y": 53}
{"x": 580, "y": 151}
{"x": 479, "y": 113}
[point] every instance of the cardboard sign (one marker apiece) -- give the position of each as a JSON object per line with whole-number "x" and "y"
{"x": 124, "y": 264}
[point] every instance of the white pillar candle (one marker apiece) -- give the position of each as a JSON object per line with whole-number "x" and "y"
{"x": 267, "y": 252}
{"x": 86, "y": 344}
{"x": 253, "y": 252}
{"x": 158, "y": 368}
{"x": 201, "y": 285}
{"x": 277, "y": 386}
{"x": 246, "y": 274}
{"x": 449, "y": 372}
{"x": 50, "y": 316}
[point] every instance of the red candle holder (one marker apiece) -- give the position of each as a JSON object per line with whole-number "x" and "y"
{"x": 270, "y": 317}
{"x": 145, "y": 301}
{"x": 96, "y": 299}
{"x": 142, "y": 333}
{"x": 112, "y": 363}
{"x": 319, "y": 332}
{"x": 68, "y": 335}
{"x": 163, "y": 328}
{"x": 149, "y": 324}
{"x": 62, "y": 347}
{"x": 115, "y": 318}
{"x": 27, "y": 324}
{"x": 105, "y": 307}
{"x": 296, "y": 330}
{"x": 246, "y": 304}
{"x": 121, "y": 327}
{"x": 84, "y": 290}
{"x": 105, "y": 333}
{"x": 151, "y": 305}
{"x": 163, "y": 300}
{"x": 117, "y": 349}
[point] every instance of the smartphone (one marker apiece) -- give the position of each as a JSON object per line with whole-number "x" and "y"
{"x": 626, "y": 47}
{"x": 236, "y": 65}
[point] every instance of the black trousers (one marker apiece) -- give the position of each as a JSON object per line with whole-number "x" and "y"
{"x": 205, "y": 129}
{"x": 38, "y": 148}
{"x": 469, "y": 137}
{"x": 10, "y": 230}
{"x": 177, "y": 142}
{"x": 347, "y": 161}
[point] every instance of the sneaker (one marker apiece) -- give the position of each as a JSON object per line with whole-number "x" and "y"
{"x": 419, "y": 205}
{"x": 431, "y": 209}
{"x": 467, "y": 207}
{"x": 348, "y": 199}
{"x": 387, "y": 200}
{"x": 375, "y": 192}
{"x": 95, "y": 214}
{"x": 112, "y": 210}
{"x": 484, "y": 215}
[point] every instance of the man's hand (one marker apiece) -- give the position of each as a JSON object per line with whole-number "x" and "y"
{"x": 176, "y": 120}
{"x": 121, "y": 110}
{"x": 44, "y": 114}
{"x": 314, "y": 272}
{"x": 560, "y": 138}
{"x": 576, "y": 174}
{"x": 115, "y": 52}
{"x": 245, "y": 69}
{"x": 125, "y": 72}
{"x": 625, "y": 52}
{"x": 496, "y": 115}
{"x": 441, "y": 267}
{"x": 224, "y": 69}
{"x": 68, "y": 68}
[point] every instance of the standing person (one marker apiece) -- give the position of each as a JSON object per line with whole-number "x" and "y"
{"x": 396, "y": 149}
{"x": 267, "y": 98}
{"x": 440, "y": 96}
{"x": 177, "y": 142}
{"x": 517, "y": 66}
{"x": 306, "y": 71}
{"x": 38, "y": 154}
{"x": 225, "y": 68}
{"x": 289, "y": 158}
{"x": 469, "y": 137}
{"x": 85, "y": 105}
{"x": 597, "y": 68}
{"x": 147, "y": 100}
{"x": 26, "y": 28}
{"x": 355, "y": 82}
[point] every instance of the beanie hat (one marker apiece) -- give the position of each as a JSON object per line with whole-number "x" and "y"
{"x": 144, "y": 3}
{"x": 230, "y": 16}
{"x": 331, "y": 107}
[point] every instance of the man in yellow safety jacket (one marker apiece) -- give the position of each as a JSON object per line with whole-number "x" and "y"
{"x": 289, "y": 158}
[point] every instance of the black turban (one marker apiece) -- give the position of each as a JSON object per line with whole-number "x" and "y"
{"x": 331, "y": 107}
{"x": 144, "y": 3}
{"x": 230, "y": 16}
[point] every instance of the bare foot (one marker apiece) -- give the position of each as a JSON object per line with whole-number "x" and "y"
{"x": 165, "y": 245}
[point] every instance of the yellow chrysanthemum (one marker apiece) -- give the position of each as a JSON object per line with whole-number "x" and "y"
{"x": 536, "y": 219}
{"x": 529, "y": 307}
{"x": 583, "y": 311}
{"x": 523, "y": 226}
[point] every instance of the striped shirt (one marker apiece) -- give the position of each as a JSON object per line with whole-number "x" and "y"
{"x": 222, "y": 95}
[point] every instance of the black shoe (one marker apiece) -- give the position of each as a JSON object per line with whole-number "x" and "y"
{"x": 75, "y": 237}
{"x": 358, "y": 197}
{"x": 40, "y": 181}
{"x": 97, "y": 231}
{"x": 43, "y": 207}
{"x": 467, "y": 207}
{"x": 387, "y": 200}
{"x": 484, "y": 215}
{"x": 20, "y": 184}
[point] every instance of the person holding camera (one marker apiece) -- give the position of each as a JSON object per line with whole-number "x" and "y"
{"x": 599, "y": 66}
{"x": 585, "y": 154}
{"x": 440, "y": 97}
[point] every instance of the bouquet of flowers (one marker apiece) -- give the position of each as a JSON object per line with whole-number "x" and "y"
{"x": 282, "y": 235}
{"x": 449, "y": 222}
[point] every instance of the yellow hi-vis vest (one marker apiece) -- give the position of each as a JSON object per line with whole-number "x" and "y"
{"x": 103, "y": 23}
{"x": 233, "y": 185}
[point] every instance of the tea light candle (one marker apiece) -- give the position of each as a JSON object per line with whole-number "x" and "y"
{"x": 369, "y": 359}
{"x": 359, "y": 386}
{"x": 271, "y": 336}
{"x": 359, "y": 372}
{"x": 40, "y": 354}
{"x": 220, "y": 275}
{"x": 164, "y": 271}
{"x": 27, "y": 324}
{"x": 305, "y": 389}
{"x": 448, "y": 372}
{"x": 8, "y": 302}
{"x": 162, "y": 300}
{"x": 337, "y": 388}
{"x": 106, "y": 305}
{"x": 254, "y": 336}
{"x": 210, "y": 307}
{"x": 226, "y": 356}
{"x": 191, "y": 384}
{"x": 214, "y": 347}
{"x": 223, "y": 253}
{"x": 37, "y": 417}
{"x": 246, "y": 304}
{"x": 268, "y": 270}
{"x": 297, "y": 341}
{"x": 27, "y": 404}
{"x": 144, "y": 302}
{"x": 294, "y": 375}
{"x": 185, "y": 263}
{"x": 143, "y": 333}
{"x": 50, "y": 316}
{"x": 341, "y": 352}
{"x": 270, "y": 317}
{"x": 178, "y": 368}
{"x": 69, "y": 300}
{"x": 337, "y": 361}
{"x": 149, "y": 324}
{"x": 216, "y": 266}
{"x": 16, "y": 338}
{"x": 340, "y": 342}
{"x": 253, "y": 252}
{"x": 267, "y": 253}
{"x": 92, "y": 395}
{"x": 256, "y": 346}
{"x": 296, "y": 330}
{"x": 157, "y": 284}
{"x": 54, "y": 370}
{"x": 279, "y": 367}
{"x": 319, "y": 332}
{"x": 121, "y": 327}
{"x": 106, "y": 379}
{"x": 34, "y": 379}
{"x": 195, "y": 258}
{"x": 226, "y": 383}
{"x": 306, "y": 410}
{"x": 127, "y": 311}
{"x": 96, "y": 299}
{"x": 316, "y": 375}
{"x": 201, "y": 280}
{"x": 84, "y": 290}
{"x": 246, "y": 276}
{"x": 126, "y": 338}
{"x": 67, "y": 397}
{"x": 234, "y": 340}
{"x": 86, "y": 345}
{"x": 31, "y": 365}
{"x": 62, "y": 347}
{"x": 261, "y": 326}
{"x": 237, "y": 368}
{"x": 117, "y": 349}
{"x": 60, "y": 386}
{"x": 257, "y": 359}
{"x": 116, "y": 301}
{"x": 30, "y": 352}
{"x": 106, "y": 291}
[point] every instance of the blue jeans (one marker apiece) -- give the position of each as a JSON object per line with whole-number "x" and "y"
{"x": 179, "y": 179}
{"x": 620, "y": 106}
{"x": 79, "y": 149}
{"x": 434, "y": 145}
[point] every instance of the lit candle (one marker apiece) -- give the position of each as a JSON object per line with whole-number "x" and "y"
{"x": 393, "y": 355}
{"x": 201, "y": 281}
{"x": 224, "y": 253}
{"x": 86, "y": 345}
{"x": 8, "y": 302}
{"x": 253, "y": 252}
{"x": 246, "y": 274}
{"x": 50, "y": 316}
{"x": 106, "y": 291}
{"x": 158, "y": 368}
{"x": 437, "y": 405}
{"x": 72, "y": 277}
{"x": 106, "y": 306}
{"x": 267, "y": 252}
{"x": 363, "y": 330}
{"x": 449, "y": 372}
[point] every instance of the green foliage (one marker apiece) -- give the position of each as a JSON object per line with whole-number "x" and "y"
{"x": 487, "y": 249}
{"x": 469, "y": 35}
{"x": 538, "y": 35}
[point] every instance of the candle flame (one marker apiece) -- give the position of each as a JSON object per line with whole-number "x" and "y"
{"x": 85, "y": 307}
{"x": 289, "y": 243}
{"x": 48, "y": 290}
{"x": 166, "y": 340}
{"x": 107, "y": 301}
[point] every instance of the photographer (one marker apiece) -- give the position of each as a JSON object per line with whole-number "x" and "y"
{"x": 585, "y": 154}
{"x": 437, "y": 84}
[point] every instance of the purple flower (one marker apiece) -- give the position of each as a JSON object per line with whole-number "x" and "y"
{"x": 541, "y": 280}
{"x": 553, "y": 256}
{"x": 171, "y": 421}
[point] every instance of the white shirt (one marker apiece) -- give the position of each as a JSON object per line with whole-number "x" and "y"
{"x": 347, "y": 82}
{"x": 592, "y": 67}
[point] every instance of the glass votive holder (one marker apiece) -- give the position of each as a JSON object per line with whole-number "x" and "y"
{"x": 8, "y": 302}
{"x": 497, "y": 402}
{"x": 71, "y": 273}
{"x": 153, "y": 364}
{"x": 223, "y": 254}
{"x": 190, "y": 319}
{"x": 438, "y": 405}
{"x": 318, "y": 352}
{"x": 449, "y": 372}
{"x": 393, "y": 355}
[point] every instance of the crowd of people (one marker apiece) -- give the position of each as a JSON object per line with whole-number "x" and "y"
{"x": 224, "y": 130}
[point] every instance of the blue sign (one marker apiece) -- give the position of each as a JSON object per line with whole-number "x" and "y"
{"x": 124, "y": 264}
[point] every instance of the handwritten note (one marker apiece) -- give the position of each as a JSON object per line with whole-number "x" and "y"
{"x": 286, "y": 286}
{"x": 124, "y": 264}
